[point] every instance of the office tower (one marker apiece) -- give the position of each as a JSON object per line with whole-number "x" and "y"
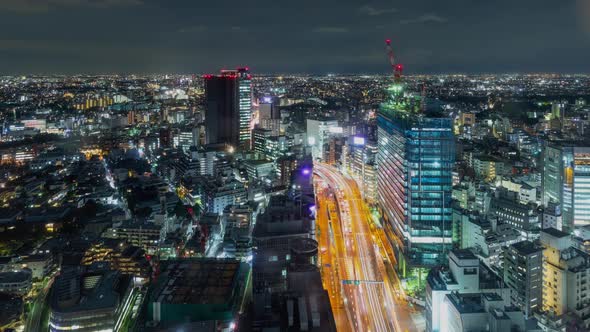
{"x": 196, "y": 136}
{"x": 523, "y": 273}
{"x": 566, "y": 182}
{"x": 183, "y": 139}
{"x": 318, "y": 133}
{"x": 259, "y": 139}
{"x": 269, "y": 116}
{"x": 245, "y": 104}
{"x": 228, "y": 107}
{"x": 165, "y": 137}
{"x": 504, "y": 206}
{"x": 415, "y": 159}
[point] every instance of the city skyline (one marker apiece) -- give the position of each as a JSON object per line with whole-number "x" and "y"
{"x": 152, "y": 36}
{"x": 327, "y": 166}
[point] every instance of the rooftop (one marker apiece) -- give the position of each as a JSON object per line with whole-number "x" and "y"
{"x": 555, "y": 232}
{"x": 197, "y": 281}
{"x": 464, "y": 254}
{"x": 527, "y": 248}
{"x": 93, "y": 287}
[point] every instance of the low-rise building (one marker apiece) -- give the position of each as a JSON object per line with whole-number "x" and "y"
{"x": 142, "y": 234}
{"x": 90, "y": 298}
{"x": 16, "y": 282}
{"x": 482, "y": 312}
{"x": 41, "y": 265}
{"x": 197, "y": 289}
{"x": 465, "y": 274}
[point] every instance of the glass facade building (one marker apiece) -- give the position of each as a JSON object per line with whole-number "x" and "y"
{"x": 566, "y": 182}
{"x": 415, "y": 160}
{"x": 245, "y": 104}
{"x": 228, "y": 113}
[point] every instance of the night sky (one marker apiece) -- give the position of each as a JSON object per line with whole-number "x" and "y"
{"x": 301, "y": 36}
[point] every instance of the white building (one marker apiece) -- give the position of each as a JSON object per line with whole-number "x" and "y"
{"x": 481, "y": 312}
{"x": 466, "y": 274}
{"x": 318, "y": 132}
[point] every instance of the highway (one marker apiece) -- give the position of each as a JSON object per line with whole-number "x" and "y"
{"x": 40, "y": 303}
{"x": 363, "y": 290}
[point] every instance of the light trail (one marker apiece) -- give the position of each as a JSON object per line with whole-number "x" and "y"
{"x": 369, "y": 302}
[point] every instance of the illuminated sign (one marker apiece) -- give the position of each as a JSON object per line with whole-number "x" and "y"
{"x": 336, "y": 130}
{"x": 356, "y": 140}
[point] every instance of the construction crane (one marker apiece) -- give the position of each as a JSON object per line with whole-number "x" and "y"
{"x": 396, "y": 67}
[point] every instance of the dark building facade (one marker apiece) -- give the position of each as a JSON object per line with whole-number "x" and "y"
{"x": 228, "y": 107}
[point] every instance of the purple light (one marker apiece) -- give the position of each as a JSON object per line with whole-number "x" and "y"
{"x": 267, "y": 100}
{"x": 306, "y": 171}
{"x": 312, "y": 208}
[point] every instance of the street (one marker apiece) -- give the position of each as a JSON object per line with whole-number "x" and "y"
{"x": 353, "y": 259}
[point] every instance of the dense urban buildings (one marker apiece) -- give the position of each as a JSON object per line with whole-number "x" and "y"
{"x": 253, "y": 191}
{"x": 262, "y": 200}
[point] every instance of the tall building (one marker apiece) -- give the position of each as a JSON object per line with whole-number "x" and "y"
{"x": 270, "y": 116}
{"x": 415, "y": 159}
{"x": 319, "y": 132}
{"x": 228, "y": 107}
{"x": 566, "y": 276}
{"x": 523, "y": 273}
{"x": 566, "y": 182}
{"x": 245, "y": 104}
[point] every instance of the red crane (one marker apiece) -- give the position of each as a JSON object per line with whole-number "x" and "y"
{"x": 396, "y": 67}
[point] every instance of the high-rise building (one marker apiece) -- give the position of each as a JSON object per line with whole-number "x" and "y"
{"x": 523, "y": 273}
{"x": 245, "y": 104}
{"x": 270, "y": 116}
{"x": 415, "y": 159}
{"x": 165, "y": 137}
{"x": 228, "y": 107}
{"x": 318, "y": 133}
{"x": 566, "y": 275}
{"x": 566, "y": 182}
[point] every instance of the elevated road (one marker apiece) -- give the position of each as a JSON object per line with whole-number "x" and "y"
{"x": 365, "y": 293}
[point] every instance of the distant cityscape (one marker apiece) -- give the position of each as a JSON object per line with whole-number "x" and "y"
{"x": 239, "y": 201}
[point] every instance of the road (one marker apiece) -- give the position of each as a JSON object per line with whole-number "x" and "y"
{"x": 33, "y": 323}
{"x": 365, "y": 293}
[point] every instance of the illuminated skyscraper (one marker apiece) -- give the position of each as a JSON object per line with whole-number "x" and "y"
{"x": 245, "y": 104}
{"x": 228, "y": 107}
{"x": 415, "y": 159}
{"x": 566, "y": 182}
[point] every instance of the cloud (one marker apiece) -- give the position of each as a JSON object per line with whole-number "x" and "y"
{"x": 426, "y": 18}
{"x": 45, "y": 5}
{"x": 372, "y": 11}
{"x": 331, "y": 30}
